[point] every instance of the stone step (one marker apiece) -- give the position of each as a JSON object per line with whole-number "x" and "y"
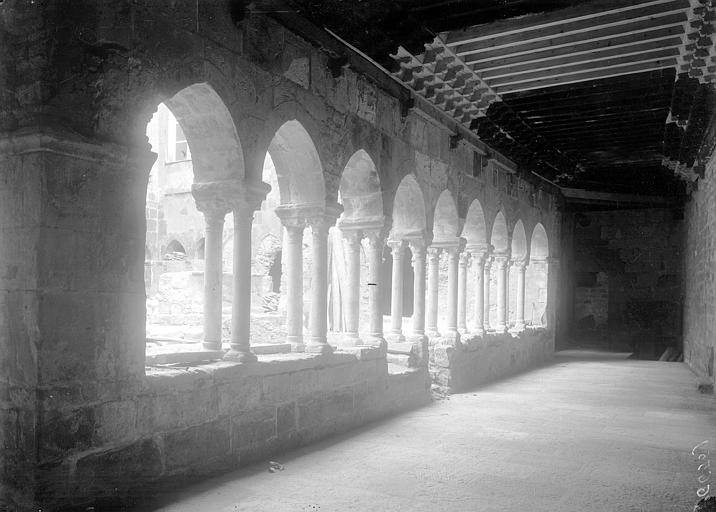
{"x": 406, "y": 360}
{"x": 405, "y": 347}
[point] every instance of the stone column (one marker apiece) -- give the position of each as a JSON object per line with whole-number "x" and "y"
{"x": 501, "y": 262}
{"x": 293, "y": 261}
{"x": 241, "y": 307}
{"x": 478, "y": 259}
{"x": 351, "y": 299}
{"x": 453, "y": 260}
{"x": 488, "y": 275}
{"x": 213, "y": 240}
{"x": 375, "y": 242}
{"x": 433, "y": 288}
{"x": 417, "y": 247}
{"x": 318, "y": 317}
{"x": 462, "y": 292}
{"x": 520, "y": 314}
{"x": 397, "y": 250}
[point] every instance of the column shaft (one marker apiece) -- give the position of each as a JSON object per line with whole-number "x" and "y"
{"x": 396, "y": 296}
{"x": 214, "y": 221}
{"x": 241, "y": 306}
{"x": 418, "y": 261}
{"x": 488, "y": 275}
{"x": 351, "y": 245}
{"x": 294, "y": 287}
{"x": 433, "y": 289}
{"x": 375, "y": 258}
{"x": 318, "y": 319}
{"x": 453, "y": 260}
{"x": 520, "y": 320}
{"x": 479, "y": 293}
{"x": 462, "y": 293}
{"x": 501, "y": 294}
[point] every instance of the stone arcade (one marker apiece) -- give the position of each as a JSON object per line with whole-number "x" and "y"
{"x": 227, "y": 232}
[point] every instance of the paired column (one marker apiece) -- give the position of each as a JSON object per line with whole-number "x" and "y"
{"x": 501, "y": 262}
{"x": 397, "y": 250}
{"x": 520, "y": 314}
{"x": 453, "y": 260}
{"x": 351, "y": 246}
{"x": 462, "y": 292}
{"x": 433, "y": 289}
{"x": 293, "y": 262}
{"x": 214, "y": 228}
{"x": 488, "y": 275}
{"x": 374, "y": 254}
{"x": 417, "y": 247}
{"x": 478, "y": 260}
{"x": 318, "y": 318}
{"x": 241, "y": 307}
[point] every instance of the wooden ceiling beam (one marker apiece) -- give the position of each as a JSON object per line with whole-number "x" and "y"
{"x": 657, "y": 115}
{"x": 577, "y": 110}
{"x": 549, "y": 19}
{"x": 666, "y": 47}
{"x": 498, "y": 58}
{"x": 556, "y": 105}
{"x": 585, "y": 76}
{"x": 598, "y": 32}
{"x": 606, "y": 65}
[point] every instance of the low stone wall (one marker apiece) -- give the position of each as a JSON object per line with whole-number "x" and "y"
{"x": 474, "y": 360}
{"x": 213, "y": 417}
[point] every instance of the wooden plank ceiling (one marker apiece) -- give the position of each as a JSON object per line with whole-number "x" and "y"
{"x": 607, "y": 95}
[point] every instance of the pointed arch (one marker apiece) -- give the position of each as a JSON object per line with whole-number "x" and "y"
{"x": 499, "y": 238}
{"x": 539, "y": 243}
{"x": 409, "y": 217}
{"x": 446, "y": 224}
{"x": 298, "y": 165}
{"x": 475, "y": 230}
{"x": 519, "y": 242}
{"x": 359, "y": 189}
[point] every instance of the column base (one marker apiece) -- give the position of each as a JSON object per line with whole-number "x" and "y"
{"x": 296, "y": 342}
{"x": 518, "y": 327}
{"x": 501, "y": 328}
{"x": 433, "y": 334}
{"x": 477, "y": 332}
{"x": 463, "y": 330}
{"x": 211, "y": 345}
{"x": 376, "y": 339}
{"x": 240, "y": 356}
{"x": 351, "y": 339}
{"x": 450, "y": 338}
{"x": 318, "y": 347}
{"x": 421, "y": 344}
{"x": 395, "y": 337}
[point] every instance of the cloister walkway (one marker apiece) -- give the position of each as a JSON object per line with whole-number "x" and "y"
{"x": 588, "y": 432}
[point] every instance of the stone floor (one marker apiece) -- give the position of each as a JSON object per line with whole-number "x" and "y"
{"x": 586, "y": 433}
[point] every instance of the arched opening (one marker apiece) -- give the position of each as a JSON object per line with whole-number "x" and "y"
{"x": 360, "y": 195}
{"x": 537, "y": 289}
{"x": 409, "y": 223}
{"x": 293, "y": 169}
{"x": 500, "y": 242}
{"x": 475, "y": 234}
{"x": 194, "y": 137}
{"x": 445, "y": 234}
{"x": 518, "y": 254}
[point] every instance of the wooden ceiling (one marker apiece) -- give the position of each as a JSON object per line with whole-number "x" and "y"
{"x": 609, "y": 95}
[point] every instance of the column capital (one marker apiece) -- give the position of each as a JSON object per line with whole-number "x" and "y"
{"x": 397, "y": 247}
{"x": 215, "y": 197}
{"x": 464, "y": 259}
{"x": 352, "y": 237}
{"x": 434, "y": 252}
{"x": 297, "y": 216}
{"x": 417, "y": 248}
{"x": 375, "y": 238}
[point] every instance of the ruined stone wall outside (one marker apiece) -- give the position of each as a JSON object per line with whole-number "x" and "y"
{"x": 700, "y": 276}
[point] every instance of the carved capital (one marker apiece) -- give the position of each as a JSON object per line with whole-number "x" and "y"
{"x": 352, "y": 238}
{"x": 434, "y": 255}
{"x": 397, "y": 248}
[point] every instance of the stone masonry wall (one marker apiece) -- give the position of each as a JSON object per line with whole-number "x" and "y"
{"x": 700, "y": 276}
{"x": 80, "y": 414}
{"x": 628, "y": 280}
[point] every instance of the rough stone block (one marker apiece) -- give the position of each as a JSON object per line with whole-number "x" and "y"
{"x": 253, "y": 427}
{"x": 286, "y": 419}
{"x": 191, "y": 446}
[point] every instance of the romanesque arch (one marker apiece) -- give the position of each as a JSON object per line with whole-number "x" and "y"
{"x": 515, "y": 293}
{"x": 537, "y": 276}
{"x": 475, "y": 230}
